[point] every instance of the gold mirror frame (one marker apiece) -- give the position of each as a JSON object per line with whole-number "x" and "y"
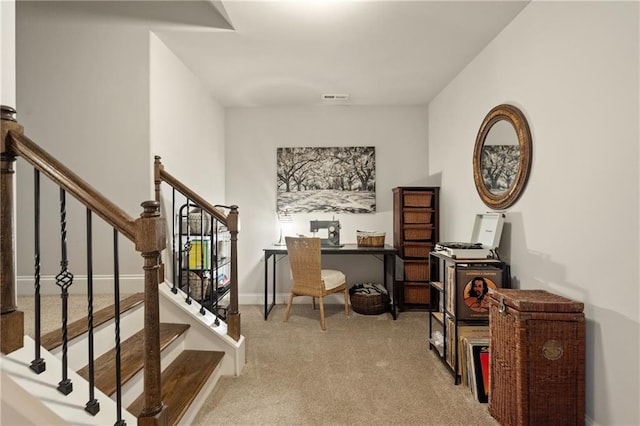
{"x": 517, "y": 119}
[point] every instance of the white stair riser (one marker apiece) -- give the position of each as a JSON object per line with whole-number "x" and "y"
{"x": 131, "y": 322}
{"x": 202, "y": 336}
{"x": 135, "y": 386}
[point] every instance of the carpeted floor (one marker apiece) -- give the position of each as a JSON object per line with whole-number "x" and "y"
{"x": 364, "y": 370}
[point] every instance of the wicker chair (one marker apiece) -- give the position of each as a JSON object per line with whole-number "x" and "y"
{"x": 309, "y": 279}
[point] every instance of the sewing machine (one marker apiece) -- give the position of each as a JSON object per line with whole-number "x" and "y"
{"x": 329, "y": 232}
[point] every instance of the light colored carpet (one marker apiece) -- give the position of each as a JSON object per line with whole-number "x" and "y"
{"x": 364, "y": 370}
{"x": 51, "y": 310}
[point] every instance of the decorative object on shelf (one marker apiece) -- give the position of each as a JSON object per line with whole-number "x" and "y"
{"x": 471, "y": 288}
{"x": 195, "y": 283}
{"x": 199, "y": 222}
{"x": 485, "y": 239}
{"x": 369, "y": 298}
{"x": 284, "y": 218}
{"x": 315, "y": 179}
{"x": 370, "y": 238}
{"x": 502, "y": 156}
{"x": 224, "y": 248}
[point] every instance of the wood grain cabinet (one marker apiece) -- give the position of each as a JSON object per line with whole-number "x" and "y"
{"x": 415, "y": 233}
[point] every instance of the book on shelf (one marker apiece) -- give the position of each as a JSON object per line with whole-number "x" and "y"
{"x": 451, "y": 340}
{"x": 200, "y": 254}
{"x": 472, "y": 287}
{"x": 467, "y": 334}
{"x": 476, "y": 361}
{"x": 451, "y": 289}
{"x": 223, "y": 282}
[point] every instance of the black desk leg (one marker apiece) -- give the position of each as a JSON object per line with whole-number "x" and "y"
{"x": 389, "y": 264}
{"x": 273, "y": 301}
{"x": 392, "y": 261}
{"x": 267, "y": 307}
{"x": 266, "y": 285}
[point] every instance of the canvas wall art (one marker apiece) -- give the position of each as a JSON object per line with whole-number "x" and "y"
{"x": 328, "y": 180}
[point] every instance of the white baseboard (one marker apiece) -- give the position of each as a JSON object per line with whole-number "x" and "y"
{"x": 103, "y": 284}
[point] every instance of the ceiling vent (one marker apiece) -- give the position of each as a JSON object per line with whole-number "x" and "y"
{"x": 335, "y": 97}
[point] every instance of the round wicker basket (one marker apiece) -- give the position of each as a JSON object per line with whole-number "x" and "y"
{"x": 369, "y": 298}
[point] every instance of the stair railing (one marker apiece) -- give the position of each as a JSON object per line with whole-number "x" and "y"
{"x": 148, "y": 233}
{"x": 229, "y": 221}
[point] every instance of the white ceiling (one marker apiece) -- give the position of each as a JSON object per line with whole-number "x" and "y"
{"x": 290, "y": 52}
{"x": 379, "y": 52}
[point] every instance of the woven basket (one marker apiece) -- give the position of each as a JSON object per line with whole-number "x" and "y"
{"x": 195, "y": 284}
{"x": 537, "y": 366}
{"x": 369, "y": 298}
{"x": 370, "y": 239}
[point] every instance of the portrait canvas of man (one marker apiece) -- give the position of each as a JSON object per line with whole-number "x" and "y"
{"x": 473, "y": 287}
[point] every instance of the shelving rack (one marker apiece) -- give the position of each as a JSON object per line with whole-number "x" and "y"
{"x": 415, "y": 233}
{"x": 445, "y": 319}
{"x": 203, "y": 260}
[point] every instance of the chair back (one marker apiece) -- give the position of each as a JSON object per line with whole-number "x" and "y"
{"x": 306, "y": 265}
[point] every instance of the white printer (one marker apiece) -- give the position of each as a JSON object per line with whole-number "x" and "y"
{"x": 485, "y": 239}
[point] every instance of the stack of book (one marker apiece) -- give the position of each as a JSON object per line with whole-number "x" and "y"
{"x": 200, "y": 254}
{"x": 474, "y": 366}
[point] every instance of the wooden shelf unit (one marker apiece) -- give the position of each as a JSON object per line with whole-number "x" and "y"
{"x": 415, "y": 233}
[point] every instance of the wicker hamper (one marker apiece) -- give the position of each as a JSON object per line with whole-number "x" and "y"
{"x": 537, "y": 358}
{"x": 370, "y": 239}
{"x": 369, "y": 298}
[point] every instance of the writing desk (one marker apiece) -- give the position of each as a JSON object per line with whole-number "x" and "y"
{"x": 387, "y": 252}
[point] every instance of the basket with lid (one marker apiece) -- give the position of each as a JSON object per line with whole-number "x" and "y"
{"x": 537, "y": 358}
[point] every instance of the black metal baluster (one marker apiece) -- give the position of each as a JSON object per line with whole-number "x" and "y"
{"x": 116, "y": 296}
{"x": 92, "y": 406}
{"x": 203, "y": 245}
{"x": 64, "y": 280}
{"x": 176, "y": 267}
{"x": 187, "y": 249}
{"x": 215, "y": 271}
{"x": 38, "y": 365}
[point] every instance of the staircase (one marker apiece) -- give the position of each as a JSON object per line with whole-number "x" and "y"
{"x": 158, "y": 357}
{"x": 193, "y": 357}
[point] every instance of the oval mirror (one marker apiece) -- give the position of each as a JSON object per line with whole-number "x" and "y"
{"x": 502, "y": 156}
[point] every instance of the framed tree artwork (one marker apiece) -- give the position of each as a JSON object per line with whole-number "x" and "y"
{"x": 328, "y": 180}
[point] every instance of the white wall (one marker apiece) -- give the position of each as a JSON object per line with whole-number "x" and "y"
{"x": 399, "y": 136}
{"x": 572, "y": 67}
{"x": 8, "y": 53}
{"x": 187, "y": 129}
{"x": 82, "y": 95}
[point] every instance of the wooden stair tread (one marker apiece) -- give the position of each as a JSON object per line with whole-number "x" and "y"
{"x": 76, "y": 328}
{"x": 131, "y": 358}
{"x": 182, "y": 381}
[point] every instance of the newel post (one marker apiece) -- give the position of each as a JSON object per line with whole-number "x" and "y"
{"x": 233, "y": 316}
{"x": 150, "y": 241}
{"x": 11, "y": 319}
{"x": 157, "y": 181}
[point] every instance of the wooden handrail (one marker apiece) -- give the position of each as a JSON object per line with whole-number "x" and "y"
{"x": 20, "y": 145}
{"x": 162, "y": 175}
